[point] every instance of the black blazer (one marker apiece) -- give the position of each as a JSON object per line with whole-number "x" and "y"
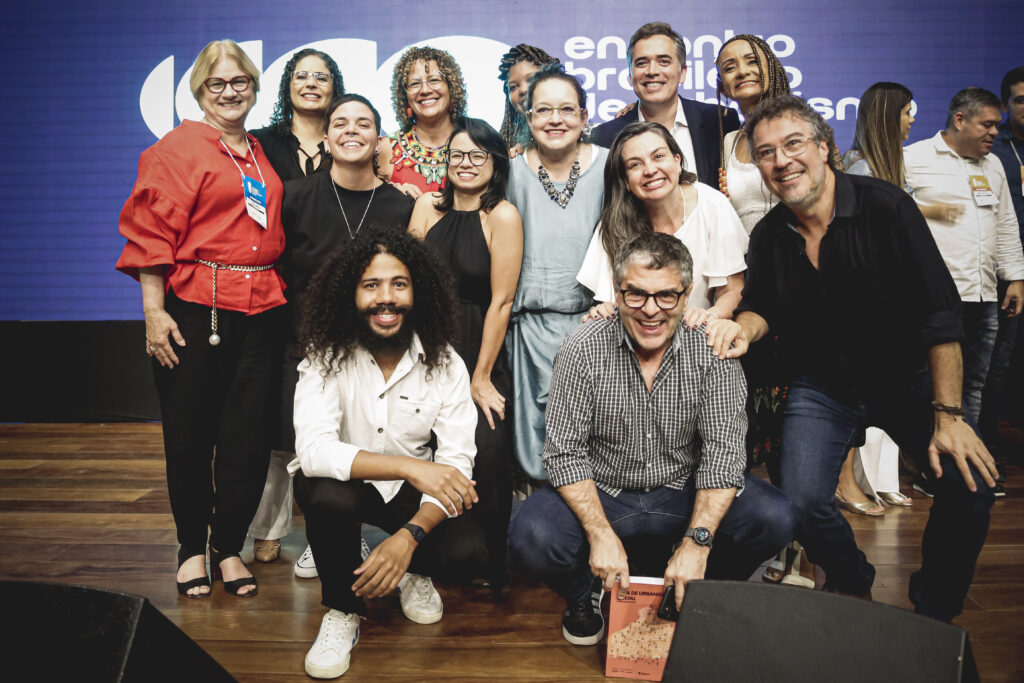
{"x": 701, "y": 119}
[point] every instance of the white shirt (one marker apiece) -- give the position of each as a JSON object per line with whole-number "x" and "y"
{"x": 681, "y": 132}
{"x": 354, "y": 409}
{"x": 713, "y": 234}
{"x": 984, "y": 242}
{"x": 747, "y": 191}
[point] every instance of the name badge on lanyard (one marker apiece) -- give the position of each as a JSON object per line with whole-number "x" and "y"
{"x": 256, "y": 200}
{"x": 253, "y": 191}
{"x": 982, "y": 191}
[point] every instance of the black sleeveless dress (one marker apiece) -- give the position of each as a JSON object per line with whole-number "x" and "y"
{"x": 458, "y": 238}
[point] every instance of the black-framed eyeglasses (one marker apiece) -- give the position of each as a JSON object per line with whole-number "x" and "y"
{"x": 433, "y": 82}
{"x": 477, "y": 157}
{"x": 318, "y": 76}
{"x": 216, "y": 85}
{"x": 765, "y": 154}
{"x": 666, "y": 300}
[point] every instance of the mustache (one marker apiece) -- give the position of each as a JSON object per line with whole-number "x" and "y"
{"x": 387, "y": 308}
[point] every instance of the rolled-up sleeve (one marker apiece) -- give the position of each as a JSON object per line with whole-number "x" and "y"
{"x": 722, "y": 425}
{"x": 320, "y": 452}
{"x": 937, "y": 295}
{"x": 569, "y": 418}
{"x": 455, "y": 426}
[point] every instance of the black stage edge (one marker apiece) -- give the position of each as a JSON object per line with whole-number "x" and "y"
{"x": 76, "y": 372}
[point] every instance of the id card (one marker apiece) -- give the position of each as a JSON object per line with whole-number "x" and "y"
{"x": 255, "y": 200}
{"x": 982, "y": 191}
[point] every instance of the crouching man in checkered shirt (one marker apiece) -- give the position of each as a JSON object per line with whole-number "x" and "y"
{"x": 645, "y": 446}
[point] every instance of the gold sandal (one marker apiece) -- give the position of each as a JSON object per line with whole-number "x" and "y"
{"x": 266, "y": 551}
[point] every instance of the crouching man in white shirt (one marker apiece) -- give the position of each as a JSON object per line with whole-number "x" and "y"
{"x": 379, "y": 377}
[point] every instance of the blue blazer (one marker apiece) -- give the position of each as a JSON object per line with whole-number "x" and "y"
{"x": 701, "y": 119}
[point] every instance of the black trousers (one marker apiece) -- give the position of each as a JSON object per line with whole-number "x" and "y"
{"x": 334, "y": 512}
{"x": 217, "y": 409}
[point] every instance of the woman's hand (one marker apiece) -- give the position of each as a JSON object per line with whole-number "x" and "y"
{"x": 159, "y": 326}
{"x": 723, "y": 182}
{"x": 625, "y": 110}
{"x": 407, "y": 188}
{"x": 695, "y": 317}
{"x": 488, "y": 398}
{"x": 606, "y": 310}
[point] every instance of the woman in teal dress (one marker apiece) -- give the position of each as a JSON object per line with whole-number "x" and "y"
{"x": 557, "y": 185}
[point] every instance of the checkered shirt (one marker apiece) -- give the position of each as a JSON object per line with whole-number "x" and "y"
{"x": 603, "y": 424}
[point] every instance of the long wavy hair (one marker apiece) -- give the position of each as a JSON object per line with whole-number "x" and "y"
{"x": 623, "y": 216}
{"x": 329, "y": 329}
{"x": 513, "y": 127}
{"x": 449, "y": 69}
{"x": 281, "y": 119}
{"x": 487, "y": 139}
{"x": 878, "y": 138}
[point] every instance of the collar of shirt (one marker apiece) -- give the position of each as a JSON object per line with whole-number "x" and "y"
{"x": 680, "y": 119}
{"x": 208, "y": 132}
{"x": 405, "y": 365}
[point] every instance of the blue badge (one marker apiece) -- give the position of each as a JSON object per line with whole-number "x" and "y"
{"x": 255, "y": 200}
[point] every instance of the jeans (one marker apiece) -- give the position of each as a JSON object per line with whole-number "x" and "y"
{"x": 335, "y": 511}
{"x": 993, "y": 397}
{"x": 981, "y": 321}
{"x": 818, "y": 432}
{"x": 547, "y": 540}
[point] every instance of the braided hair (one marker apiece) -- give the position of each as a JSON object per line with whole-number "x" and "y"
{"x": 774, "y": 82}
{"x": 513, "y": 125}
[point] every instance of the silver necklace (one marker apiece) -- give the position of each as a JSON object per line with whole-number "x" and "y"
{"x": 351, "y": 234}
{"x": 559, "y": 197}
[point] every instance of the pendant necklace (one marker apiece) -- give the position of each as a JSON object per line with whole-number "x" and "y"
{"x": 365, "y": 211}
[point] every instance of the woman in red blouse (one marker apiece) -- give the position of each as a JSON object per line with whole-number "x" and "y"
{"x": 428, "y": 94}
{"x": 203, "y": 232}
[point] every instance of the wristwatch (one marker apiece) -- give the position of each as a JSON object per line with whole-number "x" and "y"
{"x": 700, "y": 536}
{"x": 418, "y": 534}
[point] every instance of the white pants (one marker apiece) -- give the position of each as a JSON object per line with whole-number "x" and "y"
{"x": 877, "y": 464}
{"x": 273, "y": 518}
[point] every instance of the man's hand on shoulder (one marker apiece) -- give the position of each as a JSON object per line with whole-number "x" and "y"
{"x": 380, "y": 573}
{"x": 688, "y": 563}
{"x": 445, "y": 483}
{"x": 958, "y": 440}
{"x": 608, "y": 559}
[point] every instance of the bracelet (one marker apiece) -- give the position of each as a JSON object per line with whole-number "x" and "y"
{"x": 957, "y": 411}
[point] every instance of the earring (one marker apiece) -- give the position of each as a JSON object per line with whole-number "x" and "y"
{"x": 408, "y": 112}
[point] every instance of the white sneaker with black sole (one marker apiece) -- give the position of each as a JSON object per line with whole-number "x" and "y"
{"x": 420, "y": 600}
{"x": 582, "y": 623}
{"x": 331, "y": 652}
{"x": 305, "y": 567}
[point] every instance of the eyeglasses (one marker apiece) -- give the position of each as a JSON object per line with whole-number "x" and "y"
{"x": 477, "y": 157}
{"x": 318, "y": 76}
{"x": 666, "y": 300}
{"x": 433, "y": 82}
{"x": 564, "y": 112}
{"x": 216, "y": 85}
{"x": 765, "y": 154}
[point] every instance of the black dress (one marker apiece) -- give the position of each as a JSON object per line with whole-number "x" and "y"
{"x": 459, "y": 239}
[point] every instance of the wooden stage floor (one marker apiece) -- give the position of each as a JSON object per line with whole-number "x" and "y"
{"x": 87, "y": 504}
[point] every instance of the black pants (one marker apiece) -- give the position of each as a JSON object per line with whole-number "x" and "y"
{"x": 335, "y": 511}
{"x": 218, "y": 398}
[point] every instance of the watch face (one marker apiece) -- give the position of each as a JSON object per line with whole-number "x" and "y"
{"x": 702, "y": 536}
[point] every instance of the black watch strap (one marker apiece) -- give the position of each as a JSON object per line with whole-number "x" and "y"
{"x": 418, "y": 534}
{"x": 701, "y": 536}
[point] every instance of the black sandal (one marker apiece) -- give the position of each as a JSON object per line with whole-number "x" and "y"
{"x": 185, "y": 586}
{"x": 232, "y": 587}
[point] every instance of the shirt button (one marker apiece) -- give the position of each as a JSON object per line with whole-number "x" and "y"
{"x": 648, "y": 435}
{"x": 247, "y": 276}
{"x": 381, "y": 396}
{"x": 254, "y": 248}
{"x": 380, "y": 430}
{"x": 248, "y": 165}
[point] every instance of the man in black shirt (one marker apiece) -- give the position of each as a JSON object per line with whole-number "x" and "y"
{"x": 327, "y": 211}
{"x": 846, "y": 271}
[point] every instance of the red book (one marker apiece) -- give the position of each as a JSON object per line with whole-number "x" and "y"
{"x": 638, "y": 640}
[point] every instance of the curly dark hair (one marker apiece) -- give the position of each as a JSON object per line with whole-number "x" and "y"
{"x": 513, "y": 126}
{"x": 329, "y": 330}
{"x": 449, "y": 69}
{"x": 281, "y": 120}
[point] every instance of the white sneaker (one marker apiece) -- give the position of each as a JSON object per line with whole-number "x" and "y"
{"x": 419, "y": 598}
{"x": 305, "y": 567}
{"x": 329, "y": 656}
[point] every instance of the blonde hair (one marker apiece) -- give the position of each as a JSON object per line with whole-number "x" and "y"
{"x": 211, "y": 54}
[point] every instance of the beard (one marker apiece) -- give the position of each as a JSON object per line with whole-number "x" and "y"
{"x": 375, "y": 343}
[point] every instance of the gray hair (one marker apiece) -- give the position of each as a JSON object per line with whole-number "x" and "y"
{"x": 969, "y": 102}
{"x": 780, "y": 105}
{"x": 653, "y": 250}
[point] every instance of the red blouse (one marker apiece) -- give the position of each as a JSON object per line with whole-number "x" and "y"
{"x": 187, "y": 204}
